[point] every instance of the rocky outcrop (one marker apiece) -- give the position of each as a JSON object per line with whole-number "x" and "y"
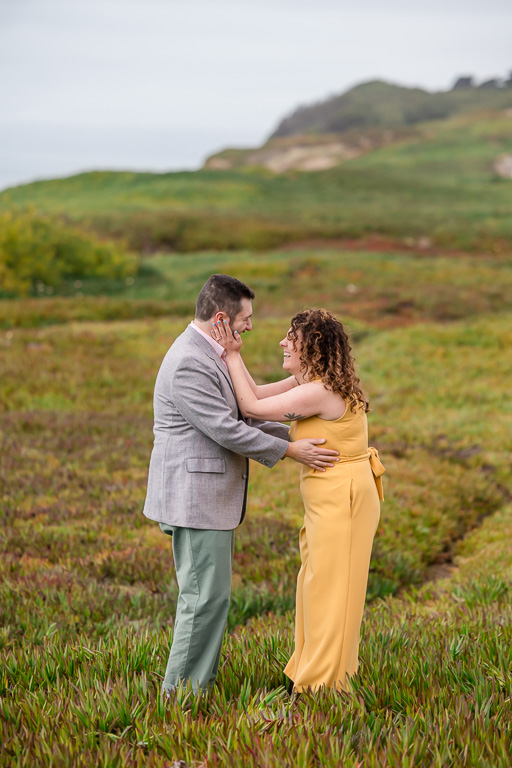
{"x": 308, "y": 153}
{"x": 298, "y": 157}
{"x": 503, "y": 166}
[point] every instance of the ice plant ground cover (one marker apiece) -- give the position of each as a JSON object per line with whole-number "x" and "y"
{"x": 87, "y": 588}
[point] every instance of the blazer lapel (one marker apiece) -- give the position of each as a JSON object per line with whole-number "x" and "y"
{"x": 203, "y": 345}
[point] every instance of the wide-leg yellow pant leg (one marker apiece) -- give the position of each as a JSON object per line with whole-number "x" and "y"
{"x": 299, "y": 612}
{"x": 341, "y": 517}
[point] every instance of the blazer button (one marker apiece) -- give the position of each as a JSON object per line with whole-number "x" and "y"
{"x": 244, "y": 476}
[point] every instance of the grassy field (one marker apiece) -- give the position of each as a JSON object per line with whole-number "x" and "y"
{"x": 87, "y": 588}
{"x": 384, "y": 288}
{"x": 439, "y": 186}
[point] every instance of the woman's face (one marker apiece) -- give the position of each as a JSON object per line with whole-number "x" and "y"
{"x": 291, "y": 352}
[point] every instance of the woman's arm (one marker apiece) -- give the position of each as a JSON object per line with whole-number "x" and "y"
{"x": 267, "y": 390}
{"x": 297, "y": 403}
{"x": 260, "y": 390}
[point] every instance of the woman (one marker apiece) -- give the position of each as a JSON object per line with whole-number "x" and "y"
{"x": 341, "y": 504}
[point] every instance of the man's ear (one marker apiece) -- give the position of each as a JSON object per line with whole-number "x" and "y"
{"x": 220, "y": 316}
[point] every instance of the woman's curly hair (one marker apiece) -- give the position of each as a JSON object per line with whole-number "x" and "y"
{"x": 326, "y": 354}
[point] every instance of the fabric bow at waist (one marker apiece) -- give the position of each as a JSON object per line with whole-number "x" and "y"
{"x": 376, "y": 465}
{"x": 378, "y": 470}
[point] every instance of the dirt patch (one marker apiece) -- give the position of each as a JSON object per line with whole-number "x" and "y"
{"x": 440, "y": 571}
{"x": 421, "y": 246}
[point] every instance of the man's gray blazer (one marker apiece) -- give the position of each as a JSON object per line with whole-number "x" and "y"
{"x": 198, "y": 471}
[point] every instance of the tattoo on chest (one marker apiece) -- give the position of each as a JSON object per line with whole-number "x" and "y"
{"x": 293, "y": 416}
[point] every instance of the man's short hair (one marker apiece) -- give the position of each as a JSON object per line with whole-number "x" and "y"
{"x": 221, "y": 293}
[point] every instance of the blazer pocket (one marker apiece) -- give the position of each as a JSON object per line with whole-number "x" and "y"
{"x": 206, "y": 465}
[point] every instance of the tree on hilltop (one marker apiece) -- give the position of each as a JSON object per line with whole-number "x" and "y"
{"x": 467, "y": 81}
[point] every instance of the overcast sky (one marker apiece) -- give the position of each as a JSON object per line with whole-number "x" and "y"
{"x": 161, "y": 84}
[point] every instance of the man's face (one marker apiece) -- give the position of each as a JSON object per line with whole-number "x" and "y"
{"x": 242, "y": 321}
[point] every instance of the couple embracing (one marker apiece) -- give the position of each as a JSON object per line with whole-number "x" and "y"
{"x": 210, "y": 419}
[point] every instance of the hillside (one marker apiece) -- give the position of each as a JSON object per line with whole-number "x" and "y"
{"x": 385, "y": 105}
{"x": 437, "y": 184}
{"x": 365, "y": 118}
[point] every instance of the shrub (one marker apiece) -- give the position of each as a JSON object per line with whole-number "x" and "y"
{"x": 37, "y": 252}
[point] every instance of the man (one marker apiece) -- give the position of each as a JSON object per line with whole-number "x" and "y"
{"x": 198, "y": 475}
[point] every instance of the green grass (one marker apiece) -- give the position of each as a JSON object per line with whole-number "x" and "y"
{"x": 441, "y": 186}
{"x": 87, "y": 586}
{"x": 384, "y": 288}
{"x": 94, "y": 382}
{"x": 434, "y": 691}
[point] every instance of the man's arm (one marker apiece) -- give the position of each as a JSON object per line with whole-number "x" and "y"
{"x": 275, "y": 428}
